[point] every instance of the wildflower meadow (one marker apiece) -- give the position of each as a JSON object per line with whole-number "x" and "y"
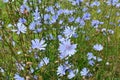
{"x": 59, "y": 39}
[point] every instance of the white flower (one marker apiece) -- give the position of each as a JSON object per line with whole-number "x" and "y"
{"x": 98, "y": 47}
{"x": 103, "y": 29}
{"x": 110, "y": 31}
{"x": 1, "y": 70}
{"x": 107, "y": 63}
{"x": 99, "y": 59}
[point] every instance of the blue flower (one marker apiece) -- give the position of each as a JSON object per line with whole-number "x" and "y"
{"x": 61, "y": 21}
{"x": 39, "y": 1}
{"x": 91, "y": 56}
{"x": 38, "y": 30}
{"x": 46, "y": 60}
{"x": 21, "y": 28}
{"x": 46, "y": 17}
{"x": 23, "y": 8}
{"x": 112, "y": 2}
{"x": 54, "y": 18}
{"x": 67, "y": 12}
{"x": 80, "y": 21}
{"x": 43, "y": 62}
{"x": 69, "y": 31}
{"x": 110, "y": 31}
{"x": 0, "y": 38}
{"x": 98, "y": 47}
{"x": 77, "y": 20}
{"x": 32, "y": 25}
{"x": 66, "y": 49}
{"x": 36, "y": 14}
{"x": 61, "y": 70}
{"x": 50, "y": 9}
{"x": 60, "y": 38}
{"x": 57, "y": 5}
{"x": 22, "y": 20}
{"x": 99, "y": 59}
{"x": 5, "y": 1}
{"x": 17, "y": 77}
{"x": 118, "y": 21}
{"x": 37, "y": 44}
{"x": 25, "y": 1}
{"x": 75, "y": 35}
{"x": 20, "y": 66}
{"x": 86, "y": 16}
{"x": 84, "y": 9}
{"x": 87, "y": 38}
{"x": 99, "y": 10}
{"x": 71, "y": 19}
{"x": 95, "y": 3}
{"x": 117, "y": 14}
{"x": 72, "y": 73}
{"x": 84, "y": 72}
{"x": 51, "y": 36}
{"x": 91, "y": 62}
{"x": 38, "y": 23}
{"x": 95, "y": 23}
{"x": 76, "y": 2}
{"x": 118, "y": 5}
{"x": 60, "y": 11}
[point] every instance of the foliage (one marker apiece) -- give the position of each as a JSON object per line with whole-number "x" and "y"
{"x": 64, "y": 39}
